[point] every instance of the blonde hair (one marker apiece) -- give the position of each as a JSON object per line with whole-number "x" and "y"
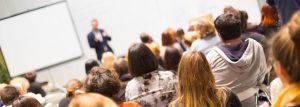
{"x": 190, "y": 37}
{"x": 205, "y": 28}
{"x": 286, "y": 48}
{"x": 196, "y": 83}
{"x": 108, "y": 60}
{"x": 21, "y": 84}
{"x": 154, "y": 47}
{"x": 91, "y": 100}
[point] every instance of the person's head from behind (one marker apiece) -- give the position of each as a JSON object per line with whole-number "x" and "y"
{"x": 26, "y": 101}
{"x": 94, "y": 24}
{"x": 190, "y": 37}
{"x": 89, "y": 64}
{"x": 102, "y": 81}
{"x": 205, "y": 28}
{"x": 31, "y": 76}
{"x": 244, "y": 20}
{"x": 146, "y": 38}
{"x": 108, "y": 59}
{"x": 180, "y": 33}
{"x": 72, "y": 86}
{"x": 21, "y": 84}
{"x": 155, "y": 49}
{"x": 121, "y": 66}
{"x": 286, "y": 51}
{"x": 172, "y": 58}
{"x": 269, "y": 16}
{"x": 228, "y": 27}
{"x": 8, "y": 94}
{"x": 91, "y": 100}
{"x": 141, "y": 60}
{"x": 232, "y": 10}
{"x": 168, "y": 37}
{"x": 196, "y": 82}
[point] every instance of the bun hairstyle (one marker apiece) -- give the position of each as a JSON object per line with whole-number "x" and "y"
{"x": 286, "y": 48}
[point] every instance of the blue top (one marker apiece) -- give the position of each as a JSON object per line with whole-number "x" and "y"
{"x": 206, "y": 44}
{"x": 285, "y": 8}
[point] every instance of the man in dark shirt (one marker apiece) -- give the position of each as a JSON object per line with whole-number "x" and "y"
{"x": 35, "y": 87}
{"x": 285, "y": 8}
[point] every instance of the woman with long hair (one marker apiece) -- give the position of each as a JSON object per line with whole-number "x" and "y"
{"x": 286, "y": 52}
{"x": 196, "y": 85}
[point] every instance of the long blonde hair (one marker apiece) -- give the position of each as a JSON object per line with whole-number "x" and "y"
{"x": 196, "y": 83}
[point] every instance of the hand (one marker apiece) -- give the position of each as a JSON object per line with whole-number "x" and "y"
{"x": 105, "y": 33}
{"x": 97, "y": 39}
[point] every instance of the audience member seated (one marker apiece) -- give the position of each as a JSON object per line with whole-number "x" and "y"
{"x": 121, "y": 67}
{"x": 89, "y": 64}
{"x": 179, "y": 38}
{"x": 108, "y": 60}
{"x": 207, "y": 39}
{"x": 146, "y": 38}
{"x": 237, "y": 64}
{"x": 245, "y": 35}
{"x": 286, "y": 52}
{"x": 26, "y": 101}
{"x": 196, "y": 85}
{"x": 71, "y": 87}
{"x": 154, "y": 47}
{"x": 22, "y": 85}
{"x": 34, "y": 87}
{"x": 8, "y": 95}
{"x": 189, "y": 38}
{"x": 269, "y": 20}
{"x": 168, "y": 40}
{"x": 149, "y": 87}
{"x": 103, "y": 81}
{"x": 91, "y": 100}
{"x": 2, "y": 85}
{"x": 172, "y": 58}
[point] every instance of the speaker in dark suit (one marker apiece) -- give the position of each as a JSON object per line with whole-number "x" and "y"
{"x": 98, "y": 39}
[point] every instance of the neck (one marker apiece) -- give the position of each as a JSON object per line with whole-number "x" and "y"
{"x": 233, "y": 41}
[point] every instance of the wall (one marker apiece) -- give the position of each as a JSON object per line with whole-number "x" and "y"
{"x": 124, "y": 20}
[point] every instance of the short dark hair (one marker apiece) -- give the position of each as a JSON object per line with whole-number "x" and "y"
{"x": 180, "y": 33}
{"x": 228, "y": 26}
{"x": 31, "y": 76}
{"x": 9, "y": 94}
{"x": 121, "y": 66}
{"x": 102, "y": 81}
{"x": 26, "y": 101}
{"x": 244, "y": 20}
{"x": 141, "y": 60}
{"x": 172, "y": 58}
{"x": 146, "y": 38}
{"x": 89, "y": 64}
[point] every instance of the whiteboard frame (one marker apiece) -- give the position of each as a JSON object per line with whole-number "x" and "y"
{"x": 75, "y": 29}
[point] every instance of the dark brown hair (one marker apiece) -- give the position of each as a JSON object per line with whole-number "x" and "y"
{"x": 102, "y": 81}
{"x": 9, "y": 94}
{"x": 172, "y": 58}
{"x": 141, "y": 60}
{"x": 228, "y": 26}
{"x": 286, "y": 48}
{"x": 146, "y": 38}
{"x": 26, "y": 101}
{"x": 168, "y": 37}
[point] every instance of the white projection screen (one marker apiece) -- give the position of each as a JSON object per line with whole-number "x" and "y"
{"x": 38, "y": 39}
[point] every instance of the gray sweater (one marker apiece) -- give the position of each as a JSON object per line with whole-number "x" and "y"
{"x": 247, "y": 72}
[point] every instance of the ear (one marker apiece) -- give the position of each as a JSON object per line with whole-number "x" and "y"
{"x": 281, "y": 72}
